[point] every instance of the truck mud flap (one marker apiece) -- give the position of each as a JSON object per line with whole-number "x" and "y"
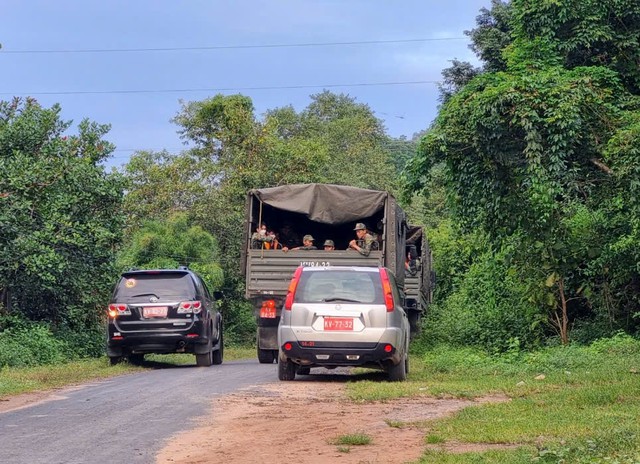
{"x": 268, "y": 338}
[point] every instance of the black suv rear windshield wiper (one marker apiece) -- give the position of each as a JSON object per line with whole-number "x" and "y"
{"x": 144, "y": 294}
{"x": 349, "y": 300}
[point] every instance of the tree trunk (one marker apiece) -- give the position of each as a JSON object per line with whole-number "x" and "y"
{"x": 562, "y": 319}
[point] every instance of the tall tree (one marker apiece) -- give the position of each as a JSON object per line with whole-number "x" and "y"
{"x": 60, "y": 216}
{"x": 489, "y": 40}
{"x": 529, "y": 152}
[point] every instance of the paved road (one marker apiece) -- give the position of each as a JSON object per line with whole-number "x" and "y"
{"x": 125, "y": 419}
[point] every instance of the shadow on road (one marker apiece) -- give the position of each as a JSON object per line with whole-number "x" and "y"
{"x": 341, "y": 374}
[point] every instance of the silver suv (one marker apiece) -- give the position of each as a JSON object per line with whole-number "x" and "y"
{"x": 343, "y": 316}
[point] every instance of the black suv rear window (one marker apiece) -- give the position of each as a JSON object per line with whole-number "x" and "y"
{"x": 340, "y": 285}
{"x": 164, "y": 286}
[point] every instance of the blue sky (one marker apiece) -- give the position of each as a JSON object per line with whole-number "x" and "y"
{"x": 244, "y": 63}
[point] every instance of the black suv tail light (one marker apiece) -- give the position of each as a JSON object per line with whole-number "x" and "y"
{"x": 116, "y": 310}
{"x": 190, "y": 307}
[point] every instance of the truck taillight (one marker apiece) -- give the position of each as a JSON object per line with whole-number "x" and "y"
{"x": 386, "y": 290}
{"x": 116, "y": 310}
{"x": 293, "y": 285}
{"x": 268, "y": 309}
{"x": 188, "y": 307}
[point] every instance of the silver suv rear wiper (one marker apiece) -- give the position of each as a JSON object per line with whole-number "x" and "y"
{"x": 342, "y": 299}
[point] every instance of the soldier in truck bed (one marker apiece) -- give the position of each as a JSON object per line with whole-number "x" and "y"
{"x": 307, "y": 241}
{"x": 287, "y": 237}
{"x": 260, "y": 238}
{"x": 365, "y": 241}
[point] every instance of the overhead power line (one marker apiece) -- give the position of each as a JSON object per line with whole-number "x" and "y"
{"x": 228, "y": 47}
{"x": 218, "y": 89}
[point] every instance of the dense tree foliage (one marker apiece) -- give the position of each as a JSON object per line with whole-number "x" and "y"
{"x": 543, "y": 154}
{"x": 490, "y": 38}
{"x": 334, "y": 140}
{"x": 60, "y": 218}
{"x": 172, "y": 243}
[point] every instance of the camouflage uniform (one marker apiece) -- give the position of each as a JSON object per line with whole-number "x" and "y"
{"x": 366, "y": 244}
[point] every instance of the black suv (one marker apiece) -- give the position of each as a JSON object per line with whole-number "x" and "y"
{"x": 163, "y": 311}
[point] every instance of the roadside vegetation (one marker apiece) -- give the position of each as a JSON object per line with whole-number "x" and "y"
{"x": 574, "y": 403}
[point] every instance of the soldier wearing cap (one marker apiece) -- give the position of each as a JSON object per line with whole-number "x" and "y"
{"x": 329, "y": 245}
{"x": 307, "y": 241}
{"x": 364, "y": 242}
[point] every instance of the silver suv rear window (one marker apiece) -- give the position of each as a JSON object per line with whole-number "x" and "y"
{"x": 339, "y": 285}
{"x": 165, "y": 286}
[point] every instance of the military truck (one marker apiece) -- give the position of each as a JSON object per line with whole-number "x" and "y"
{"x": 326, "y": 212}
{"x": 419, "y": 277}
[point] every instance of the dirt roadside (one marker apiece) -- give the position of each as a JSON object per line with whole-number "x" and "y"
{"x": 298, "y": 421}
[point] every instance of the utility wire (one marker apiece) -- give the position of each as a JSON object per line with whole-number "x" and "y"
{"x": 219, "y": 89}
{"x": 227, "y": 47}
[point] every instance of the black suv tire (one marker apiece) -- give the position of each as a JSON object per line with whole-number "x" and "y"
{"x": 206, "y": 359}
{"x": 218, "y": 354}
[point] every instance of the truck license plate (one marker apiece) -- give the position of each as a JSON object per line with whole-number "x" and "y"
{"x": 268, "y": 313}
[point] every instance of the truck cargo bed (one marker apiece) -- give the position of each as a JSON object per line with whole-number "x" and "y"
{"x": 270, "y": 271}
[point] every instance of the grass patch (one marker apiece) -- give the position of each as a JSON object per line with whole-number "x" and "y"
{"x": 434, "y": 439}
{"x": 567, "y": 404}
{"x": 396, "y": 424}
{"x": 353, "y": 439}
{"x": 15, "y": 381}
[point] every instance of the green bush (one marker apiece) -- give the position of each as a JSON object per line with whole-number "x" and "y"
{"x": 30, "y": 345}
{"x": 82, "y": 343}
{"x": 240, "y": 323}
{"x": 487, "y": 308}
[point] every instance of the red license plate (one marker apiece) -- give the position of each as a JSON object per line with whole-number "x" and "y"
{"x": 268, "y": 313}
{"x": 155, "y": 311}
{"x": 338, "y": 323}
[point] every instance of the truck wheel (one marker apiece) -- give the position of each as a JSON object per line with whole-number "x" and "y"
{"x": 414, "y": 323}
{"x": 266, "y": 356}
{"x": 286, "y": 370}
{"x": 398, "y": 373}
{"x": 113, "y": 360}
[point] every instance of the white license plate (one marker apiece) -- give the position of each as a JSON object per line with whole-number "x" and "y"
{"x": 155, "y": 311}
{"x": 338, "y": 323}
